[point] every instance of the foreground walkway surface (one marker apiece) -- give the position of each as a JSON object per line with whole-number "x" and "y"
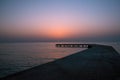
{"x": 99, "y": 62}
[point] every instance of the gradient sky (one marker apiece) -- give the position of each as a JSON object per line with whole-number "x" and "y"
{"x": 59, "y": 19}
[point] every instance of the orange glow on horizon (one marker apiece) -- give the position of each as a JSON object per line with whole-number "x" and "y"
{"x": 58, "y": 32}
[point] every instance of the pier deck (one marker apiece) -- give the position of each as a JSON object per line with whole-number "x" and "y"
{"x": 99, "y": 62}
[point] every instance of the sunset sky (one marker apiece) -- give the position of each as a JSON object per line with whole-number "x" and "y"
{"x": 37, "y": 20}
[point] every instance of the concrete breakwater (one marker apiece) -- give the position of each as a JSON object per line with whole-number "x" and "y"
{"x": 100, "y": 62}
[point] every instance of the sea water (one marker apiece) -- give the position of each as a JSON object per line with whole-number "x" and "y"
{"x": 15, "y": 57}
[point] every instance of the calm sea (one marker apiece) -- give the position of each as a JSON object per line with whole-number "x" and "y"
{"x": 15, "y": 57}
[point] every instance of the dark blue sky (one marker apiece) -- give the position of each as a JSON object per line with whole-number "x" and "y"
{"x": 59, "y": 19}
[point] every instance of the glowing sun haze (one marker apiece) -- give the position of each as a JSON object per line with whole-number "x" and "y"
{"x": 59, "y": 19}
